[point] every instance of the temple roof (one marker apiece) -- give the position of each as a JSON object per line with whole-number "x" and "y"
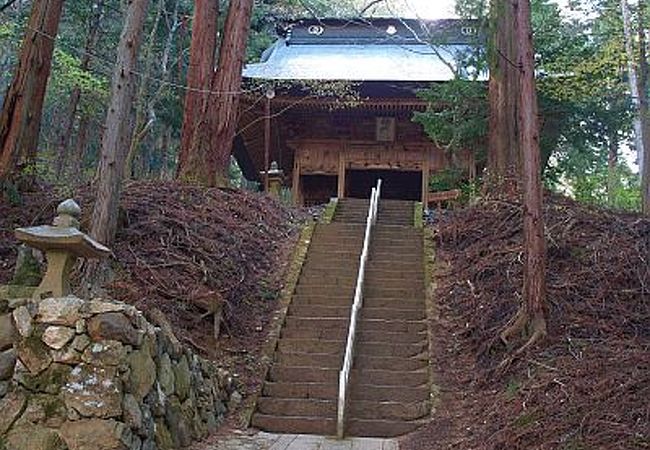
{"x": 366, "y": 50}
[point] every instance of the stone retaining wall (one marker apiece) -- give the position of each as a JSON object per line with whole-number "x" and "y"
{"x": 96, "y": 375}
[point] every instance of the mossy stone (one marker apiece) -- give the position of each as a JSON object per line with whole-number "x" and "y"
{"x": 28, "y": 269}
{"x": 49, "y": 381}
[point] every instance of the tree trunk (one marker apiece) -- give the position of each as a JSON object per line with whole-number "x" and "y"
{"x": 144, "y": 113}
{"x": 644, "y": 113}
{"x": 503, "y": 159}
{"x": 612, "y": 164}
{"x": 76, "y": 166}
{"x": 20, "y": 120}
{"x": 209, "y": 158}
{"x": 117, "y": 130}
{"x": 532, "y": 315}
{"x": 68, "y": 124}
{"x": 638, "y": 87}
{"x": 199, "y": 73}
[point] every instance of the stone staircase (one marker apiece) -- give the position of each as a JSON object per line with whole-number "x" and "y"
{"x": 389, "y": 390}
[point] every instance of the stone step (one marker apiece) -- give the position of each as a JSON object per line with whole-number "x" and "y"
{"x": 373, "y": 393}
{"x": 303, "y": 407}
{"x": 323, "y": 281}
{"x": 392, "y": 325}
{"x": 346, "y": 277}
{"x": 392, "y": 313}
{"x": 315, "y": 322}
{"x": 383, "y": 336}
{"x": 372, "y": 272}
{"x": 390, "y": 410}
{"x": 392, "y": 231}
{"x": 341, "y": 334}
{"x": 323, "y": 289}
{"x": 389, "y": 326}
{"x": 407, "y": 292}
{"x": 309, "y": 359}
{"x": 381, "y": 428}
{"x": 323, "y": 391}
{"x": 310, "y": 374}
{"x": 390, "y": 363}
{"x": 371, "y": 302}
{"x": 303, "y": 374}
{"x": 401, "y": 378}
{"x": 392, "y": 283}
{"x": 399, "y": 266}
{"x": 389, "y": 349}
{"x": 371, "y": 285}
{"x": 320, "y": 310}
{"x": 410, "y": 243}
{"x": 333, "y": 347}
{"x": 335, "y": 252}
{"x": 325, "y": 266}
{"x": 294, "y": 424}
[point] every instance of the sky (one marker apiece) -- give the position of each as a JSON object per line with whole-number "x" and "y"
{"x": 433, "y": 9}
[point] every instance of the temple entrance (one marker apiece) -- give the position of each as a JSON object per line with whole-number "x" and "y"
{"x": 318, "y": 189}
{"x": 396, "y": 184}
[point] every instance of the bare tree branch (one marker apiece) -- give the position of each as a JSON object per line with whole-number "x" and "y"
{"x": 7, "y": 5}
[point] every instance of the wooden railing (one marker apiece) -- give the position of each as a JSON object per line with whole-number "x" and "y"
{"x": 344, "y": 374}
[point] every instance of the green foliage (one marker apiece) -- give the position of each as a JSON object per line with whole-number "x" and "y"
{"x": 453, "y": 178}
{"x": 446, "y": 180}
{"x": 67, "y": 74}
{"x": 625, "y": 192}
{"x": 456, "y": 115}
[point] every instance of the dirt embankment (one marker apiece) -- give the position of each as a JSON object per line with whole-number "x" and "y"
{"x": 179, "y": 247}
{"x": 587, "y": 385}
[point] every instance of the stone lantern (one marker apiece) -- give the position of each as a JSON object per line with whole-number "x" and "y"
{"x": 276, "y": 177}
{"x": 62, "y": 243}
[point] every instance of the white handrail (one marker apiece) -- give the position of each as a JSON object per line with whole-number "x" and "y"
{"x": 344, "y": 374}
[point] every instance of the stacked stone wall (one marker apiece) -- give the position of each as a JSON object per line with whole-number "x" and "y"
{"x": 97, "y": 375}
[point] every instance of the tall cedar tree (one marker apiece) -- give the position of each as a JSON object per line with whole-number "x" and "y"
{"x": 117, "y": 134}
{"x": 503, "y": 140}
{"x": 67, "y": 128}
{"x": 638, "y": 79}
{"x": 199, "y": 73}
{"x": 209, "y": 157}
{"x": 531, "y": 317}
{"x": 644, "y": 107}
{"x": 20, "y": 120}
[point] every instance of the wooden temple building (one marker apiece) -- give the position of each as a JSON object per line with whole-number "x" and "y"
{"x": 337, "y": 146}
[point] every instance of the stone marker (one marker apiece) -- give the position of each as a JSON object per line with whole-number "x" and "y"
{"x": 62, "y": 243}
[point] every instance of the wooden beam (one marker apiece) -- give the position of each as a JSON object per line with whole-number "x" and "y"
{"x": 341, "y": 175}
{"x": 295, "y": 185}
{"x": 426, "y": 169}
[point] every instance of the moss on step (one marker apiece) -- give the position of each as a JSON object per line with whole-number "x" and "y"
{"x": 429, "y": 255}
{"x": 418, "y": 213}
{"x": 330, "y": 210}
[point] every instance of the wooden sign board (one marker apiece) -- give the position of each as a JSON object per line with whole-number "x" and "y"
{"x": 385, "y": 129}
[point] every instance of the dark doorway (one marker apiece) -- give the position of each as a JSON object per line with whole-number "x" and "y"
{"x": 318, "y": 189}
{"x": 396, "y": 184}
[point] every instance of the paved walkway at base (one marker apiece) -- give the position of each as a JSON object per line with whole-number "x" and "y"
{"x": 269, "y": 441}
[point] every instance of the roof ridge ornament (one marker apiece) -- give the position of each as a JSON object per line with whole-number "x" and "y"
{"x": 316, "y": 30}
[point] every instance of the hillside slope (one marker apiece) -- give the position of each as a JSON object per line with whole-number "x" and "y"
{"x": 178, "y": 247}
{"x": 587, "y": 385}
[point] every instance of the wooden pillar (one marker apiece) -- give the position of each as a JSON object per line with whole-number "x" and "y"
{"x": 267, "y": 142}
{"x": 341, "y": 175}
{"x": 426, "y": 170}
